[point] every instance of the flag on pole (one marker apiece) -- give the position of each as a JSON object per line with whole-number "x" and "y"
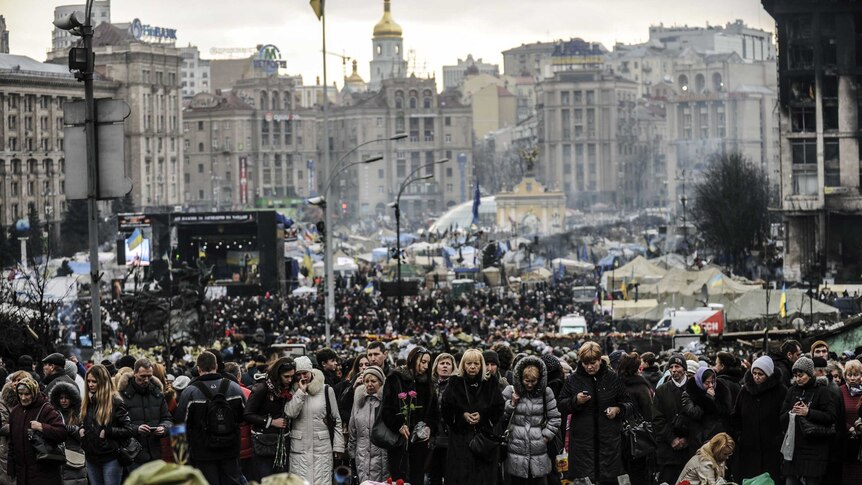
{"x": 317, "y": 6}
{"x": 369, "y": 288}
{"x": 782, "y": 303}
{"x": 476, "y": 202}
{"x": 135, "y": 239}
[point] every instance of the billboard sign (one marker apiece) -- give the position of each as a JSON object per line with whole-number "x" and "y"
{"x": 269, "y": 59}
{"x": 142, "y": 31}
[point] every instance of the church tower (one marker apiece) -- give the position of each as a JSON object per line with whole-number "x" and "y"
{"x": 388, "y": 56}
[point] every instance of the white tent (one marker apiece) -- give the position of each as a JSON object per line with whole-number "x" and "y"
{"x": 638, "y": 270}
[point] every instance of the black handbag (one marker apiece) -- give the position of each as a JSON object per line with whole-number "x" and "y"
{"x": 128, "y": 452}
{"x": 382, "y": 436}
{"x": 639, "y": 437}
{"x": 46, "y": 452}
{"x": 812, "y": 430}
{"x": 264, "y": 444}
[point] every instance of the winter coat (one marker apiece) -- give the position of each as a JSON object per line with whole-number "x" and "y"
{"x": 22, "y": 463}
{"x": 810, "y": 455}
{"x": 669, "y": 424}
{"x": 401, "y": 380}
{"x": 52, "y": 380}
{"x": 246, "y": 448}
{"x": 732, "y": 379}
{"x": 784, "y": 367}
{"x": 852, "y": 468}
{"x": 462, "y": 466}
{"x": 640, "y": 392}
{"x": 345, "y": 391}
{"x": 265, "y": 403}
{"x": 192, "y": 410}
{"x": 8, "y": 400}
{"x": 758, "y": 431}
{"x": 705, "y": 416}
{"x": 146, "y": 405}
{"x": 370, "y": 460}
{"x": 310, "y": 446}
{"x": 594, "y": 440}
{"x": 652, "y": 374}
{"x": 71, "y": 476}
{"x": 533, "y": 422}
{"x": 117, "y": 432}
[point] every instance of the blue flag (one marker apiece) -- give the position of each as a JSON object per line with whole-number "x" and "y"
{"x": 476, "y": 202}
{"x": 135, "y": 239}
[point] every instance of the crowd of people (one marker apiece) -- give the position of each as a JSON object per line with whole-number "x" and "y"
{"x": 482, "y": 416}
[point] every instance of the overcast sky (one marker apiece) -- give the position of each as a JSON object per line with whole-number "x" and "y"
{"x": 439, "y": 31}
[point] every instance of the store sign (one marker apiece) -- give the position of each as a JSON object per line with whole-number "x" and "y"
{"x": 269, "y": 59}
{"x": 141, "y": 31}
{"x": 243, "y": 180}
{"x": 215, "y": 218}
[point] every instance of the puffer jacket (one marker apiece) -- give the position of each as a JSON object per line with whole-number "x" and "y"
{"x": 310, "y": 447}
{"x": 8, "y": 400}
{"x": 533, "y": 422}
{"x": 146, "y": 405}
{"x": 71, "y": 476}
{"x": 117, "y": 432}
{"x": 370, "y": 460}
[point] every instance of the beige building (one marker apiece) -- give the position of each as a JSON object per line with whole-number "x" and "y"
{"x": 584, "y": 131}
{"x": 531, "y": 209}
{"x": 32, "y": 161}
{"x": 718, "y": 104}
{"x": 494, "y": 107}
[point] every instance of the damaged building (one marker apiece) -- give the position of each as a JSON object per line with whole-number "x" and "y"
{"x": 819, "y": 71}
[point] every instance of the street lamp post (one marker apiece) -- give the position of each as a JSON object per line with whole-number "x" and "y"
{"x": 397, "y": 205}
{"x": 327, "y": 253}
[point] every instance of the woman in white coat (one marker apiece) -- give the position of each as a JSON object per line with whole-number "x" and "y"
{"x": 311, "y": 449}
{"x": 370, "y": 460}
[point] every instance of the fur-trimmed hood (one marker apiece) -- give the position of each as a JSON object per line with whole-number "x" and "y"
{"x": 519, "y": 374}
{"x": 9, "y": 396}
{"x": 124, "y": 382}
{"x": 70, "y": 390}
{"x": 316, "y": 384}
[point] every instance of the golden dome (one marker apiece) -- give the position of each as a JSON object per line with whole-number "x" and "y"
{"x": 387, "y": 27}
{"x": 354, "y": 78}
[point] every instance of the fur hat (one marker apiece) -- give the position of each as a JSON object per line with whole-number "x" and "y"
{"x": 374, "y": 371}
{"x": 765, "y": 364}
{"x": 56, "y": 358}
{"x": 804, "y": 364}
{"x": 303, "y": 364}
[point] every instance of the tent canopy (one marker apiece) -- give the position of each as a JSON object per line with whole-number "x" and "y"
{"x": 638, "y": 270}
{"x": 753, "y": 305}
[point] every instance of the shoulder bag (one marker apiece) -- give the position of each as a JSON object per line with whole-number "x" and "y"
{"x": 129, "y": 451}
{"x": 639, "y": 437}
{"x": 381, "y": 435}
{"x": 485, "y": 442}
{"x": 813, "y": 430}
{"x": 46, "y": 452}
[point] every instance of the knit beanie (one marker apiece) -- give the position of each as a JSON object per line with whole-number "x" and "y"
{"x": 804, "y": 364}
{"x": 677, "y": 359}
{"x": 552, "y": 364}
{"x": 491, "y": 357}
{"x": 374, "y": 371}
{"x": 819, "y": 343}
{"x": 692, "y": 366}
{"x": 765, "y": 364}
{"x": 303, "y": 364}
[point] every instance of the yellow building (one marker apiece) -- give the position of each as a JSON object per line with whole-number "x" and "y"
{"x": 531, "y": 209}
{"x": 493, "y": 105}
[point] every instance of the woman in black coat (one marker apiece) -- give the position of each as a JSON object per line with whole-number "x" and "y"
{"x": 706, "y": 406}
{"x": 23, "y": 468}
{"x": 264, "y": 410}
{"x": 809, "y": 400}
{"x": 597, "y": 400}
{"x": 105, "y": 427}
{"x": 471, "y": 401}
{"x": 408, "y": 399}
{"x": 640, "y": 392}
{"x": 756, "y": 421}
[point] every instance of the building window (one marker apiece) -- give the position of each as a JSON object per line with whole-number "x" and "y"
{"x": 200, "y": 168}
{"x": 564, "y": 98}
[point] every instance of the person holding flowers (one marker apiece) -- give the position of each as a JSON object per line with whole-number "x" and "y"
{"x": 410, "y": 408}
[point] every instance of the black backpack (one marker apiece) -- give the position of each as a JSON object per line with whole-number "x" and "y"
{"x": 219, "y": 423}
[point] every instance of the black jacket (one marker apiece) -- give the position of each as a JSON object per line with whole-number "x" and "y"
{"x": 757, "y": 426}
{"x": 146, "y": 405}
{"x": 264, "y": 404}
{"x": 52, "y": 380}
{"x": 706, "y": 417}
{"x": 117, "y": 432}
{"x": 784, "y": 367}
{"x": 652, "y": 374}
{"x": 732, "y": 379}
{"x": 192, "y": 410}
{"x": 810, "y": 455}
{"x": 669, "y": 423}
{"x": 640, "y": 392}
{"x": 595, "y": 440}
{"x": 401, "y": 380}
{"x": 466, "y": 394}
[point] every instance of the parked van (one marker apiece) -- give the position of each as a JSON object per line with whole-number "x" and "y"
{"x": 711, "y": 320}
{"x": 572, "y": 324}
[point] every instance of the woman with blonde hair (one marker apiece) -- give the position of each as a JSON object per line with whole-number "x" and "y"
{"x": 709, "y": 464}
{"x": 472, "y": 403}
{"x": 105, "y": 427}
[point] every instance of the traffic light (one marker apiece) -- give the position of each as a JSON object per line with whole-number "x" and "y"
{"x": 344, "y": 208}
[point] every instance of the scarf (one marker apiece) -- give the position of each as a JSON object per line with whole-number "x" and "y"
{"x": 679, "y": 384}
{"x": 275, "y": 392}
{"x": 855, "y": 391}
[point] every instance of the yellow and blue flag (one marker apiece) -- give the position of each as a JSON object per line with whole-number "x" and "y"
{"x": 782, "y": 303}
{"x": 135, "y": 239}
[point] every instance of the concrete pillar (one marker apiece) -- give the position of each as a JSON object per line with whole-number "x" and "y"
{"x": 848, "y": 123}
